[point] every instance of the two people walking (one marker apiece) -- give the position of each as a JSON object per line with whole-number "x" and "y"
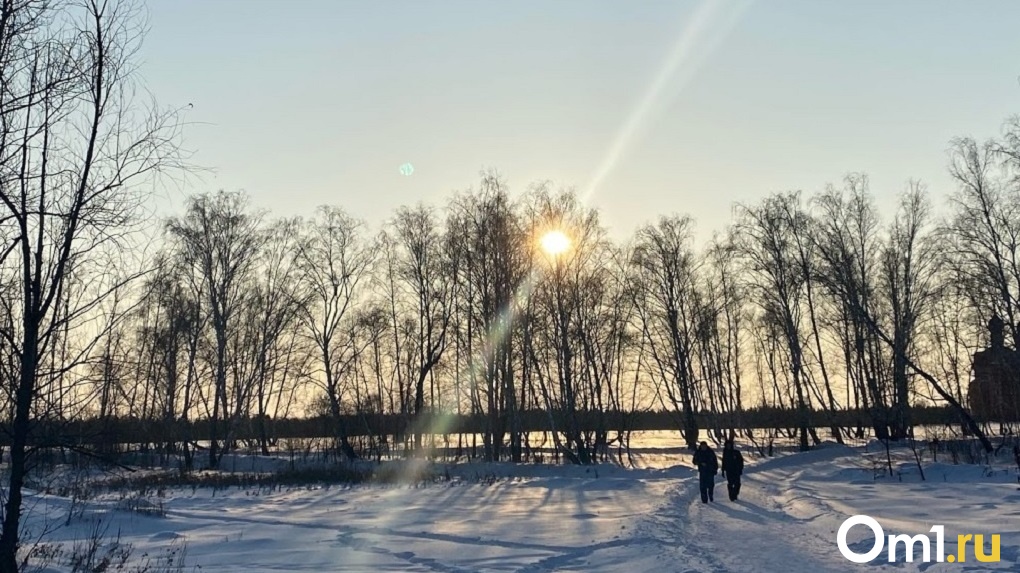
{"x": 708, "y": 465}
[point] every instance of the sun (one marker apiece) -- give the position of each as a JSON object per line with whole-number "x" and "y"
{"x": 555, "y": 243}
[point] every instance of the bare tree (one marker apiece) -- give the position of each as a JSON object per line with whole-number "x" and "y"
{"x": 984, "y": 231}
{"x": 848, "y": 245}
{"x": 728, "y": 307}
{"x": 267, "y": 351}
{"x": 333, "y": 259}
{"x": 572, "y": 293}
{"x": 220, "y": 239}
{"x": 169, "y": 333}
{"x": 909, "y": 264}
{"x": 75, "y": 148}
{"x": 605, "y": 337}
{"x": 494, "y": 264}
{"x": 777, "y": 282}
{"x": 423, "y": 268}
{"x": 669, "y": 307}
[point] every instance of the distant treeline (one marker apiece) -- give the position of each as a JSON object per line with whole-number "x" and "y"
{"x": 92, "y": 432}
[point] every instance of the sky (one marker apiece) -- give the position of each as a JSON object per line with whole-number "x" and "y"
{"x": 644, "y": 108}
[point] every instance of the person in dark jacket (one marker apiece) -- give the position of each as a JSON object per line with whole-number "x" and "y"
{"x": 732, "y": 468}
{"x": 708, "y": 466}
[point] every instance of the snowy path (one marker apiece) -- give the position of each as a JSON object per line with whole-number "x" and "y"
{"x": 791, "y": 508}
{"x": 751, "y": 534}
{"x": 755, "y": 533}
{"x": 543, "y": 519}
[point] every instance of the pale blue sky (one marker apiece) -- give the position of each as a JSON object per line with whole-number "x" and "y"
{"x": 655, "y": 107}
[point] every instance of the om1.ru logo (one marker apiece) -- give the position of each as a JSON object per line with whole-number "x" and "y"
{"x": 910, "y": 542}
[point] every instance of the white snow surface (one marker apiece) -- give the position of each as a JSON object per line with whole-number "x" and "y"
{"x": 501, "y": 517}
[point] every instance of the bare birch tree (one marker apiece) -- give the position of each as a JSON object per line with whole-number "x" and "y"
{"x": 424, "y": 270}
{"x": 777, "y": 282}
{"x": 334, "y": 260}
{"x": 909, "y": 281}
{"x": 220, "y": 238}
{"x": 76, "y": 147}
{"x": 669, "y": 308}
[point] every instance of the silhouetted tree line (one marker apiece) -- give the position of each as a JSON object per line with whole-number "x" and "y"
{"x": 117, "y": 435}
{"x": 814, "y": 306}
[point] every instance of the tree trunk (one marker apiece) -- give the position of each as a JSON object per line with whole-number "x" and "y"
{"x": 9, "y": 541}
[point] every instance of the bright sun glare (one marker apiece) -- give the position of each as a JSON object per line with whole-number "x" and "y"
{"x": 555, "y": 242}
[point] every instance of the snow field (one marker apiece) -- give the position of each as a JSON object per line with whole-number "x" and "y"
{"x": 500, "y": 517}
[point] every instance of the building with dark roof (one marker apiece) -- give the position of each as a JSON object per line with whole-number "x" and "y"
{"x": 994, "y": 393}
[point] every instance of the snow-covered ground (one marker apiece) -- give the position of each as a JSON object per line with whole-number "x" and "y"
{"x": 499, "y": 517}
